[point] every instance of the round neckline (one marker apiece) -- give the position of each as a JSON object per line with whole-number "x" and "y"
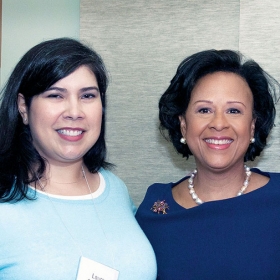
{"x": 100, "y": 190}
{"x": 226, "y": 199}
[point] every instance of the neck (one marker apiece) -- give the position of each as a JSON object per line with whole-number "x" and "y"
{"x": 64, "y": 174}
{"x": 67, "y": 180}
{"x": 209, "y": 185}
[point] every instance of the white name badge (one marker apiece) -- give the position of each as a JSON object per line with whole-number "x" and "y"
{"x": 91, "y": 270}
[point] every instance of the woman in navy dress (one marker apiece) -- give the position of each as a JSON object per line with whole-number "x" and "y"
{"x": 222, "y": 221}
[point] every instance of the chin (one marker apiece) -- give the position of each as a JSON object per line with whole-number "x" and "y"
{"x": 72, "y": 158}
{"x": 217, "y": 165}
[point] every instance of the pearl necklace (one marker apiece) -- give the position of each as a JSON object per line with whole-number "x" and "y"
{"x": 198, "y": 201}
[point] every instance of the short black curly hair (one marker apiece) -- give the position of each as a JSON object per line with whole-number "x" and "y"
{"x": 174, "y": 101}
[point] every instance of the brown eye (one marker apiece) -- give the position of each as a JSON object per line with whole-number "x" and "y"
{"x": 233, "y": 111}
{"x": 54, "y": 96}
{"x": 204, "y": 110}
{"x": 88, "y": 96}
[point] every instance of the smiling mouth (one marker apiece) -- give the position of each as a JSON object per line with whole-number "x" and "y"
{"x": 218, "y": 142}
{"x": 70, "y": 132}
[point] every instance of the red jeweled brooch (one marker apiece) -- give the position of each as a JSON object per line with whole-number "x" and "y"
{"x": 160, "y": 206}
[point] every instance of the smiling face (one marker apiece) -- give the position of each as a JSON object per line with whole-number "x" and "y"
{"x": 65, "y": 120}
{"x": 218, "y": 122}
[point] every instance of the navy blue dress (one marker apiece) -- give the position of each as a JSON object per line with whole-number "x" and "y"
{"x": 236, "y": 238}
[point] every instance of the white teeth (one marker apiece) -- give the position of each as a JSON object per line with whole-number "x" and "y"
{"x": 70, "y": 132}
{"x": 218, "y": 142}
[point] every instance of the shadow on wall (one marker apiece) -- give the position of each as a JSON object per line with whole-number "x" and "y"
{"x": 177, "y": 159}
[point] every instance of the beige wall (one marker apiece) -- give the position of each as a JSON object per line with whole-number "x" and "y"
{"x": 142, "y": 43}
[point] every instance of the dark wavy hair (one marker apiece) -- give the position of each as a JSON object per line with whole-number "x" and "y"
{"x": 174, "y": 101}
{"x": 41, "y": 67}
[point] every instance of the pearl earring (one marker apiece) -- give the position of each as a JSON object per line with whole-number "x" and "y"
{"x": 183, "y": 140}
{"x": 252, "y": 140}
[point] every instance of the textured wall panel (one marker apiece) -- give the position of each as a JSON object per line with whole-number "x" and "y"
{"x": 260, "y": 40}
{"x": 142, "y": 43}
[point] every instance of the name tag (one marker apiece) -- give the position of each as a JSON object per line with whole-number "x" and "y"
{"x": 91, "y": 270}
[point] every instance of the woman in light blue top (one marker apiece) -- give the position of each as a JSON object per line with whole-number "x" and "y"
{"x": 63, "y": 214}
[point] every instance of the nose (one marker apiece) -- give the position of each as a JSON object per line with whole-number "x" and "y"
{"x": 219, "y": 121}
{"x": 73, "y": 109}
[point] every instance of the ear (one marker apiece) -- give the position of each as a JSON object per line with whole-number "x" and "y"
{"x": 253, "y": 128}
{"x": 22, "y": 108}
{"x": 183, "y": 125}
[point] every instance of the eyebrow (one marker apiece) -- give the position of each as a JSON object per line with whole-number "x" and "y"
{"x": 211, "y": 102}
{"x": 230, "y": 102}
{"x": 89, "y": 88}
{"x": 85, "y": 89}
{"x": 206, "y": 101}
